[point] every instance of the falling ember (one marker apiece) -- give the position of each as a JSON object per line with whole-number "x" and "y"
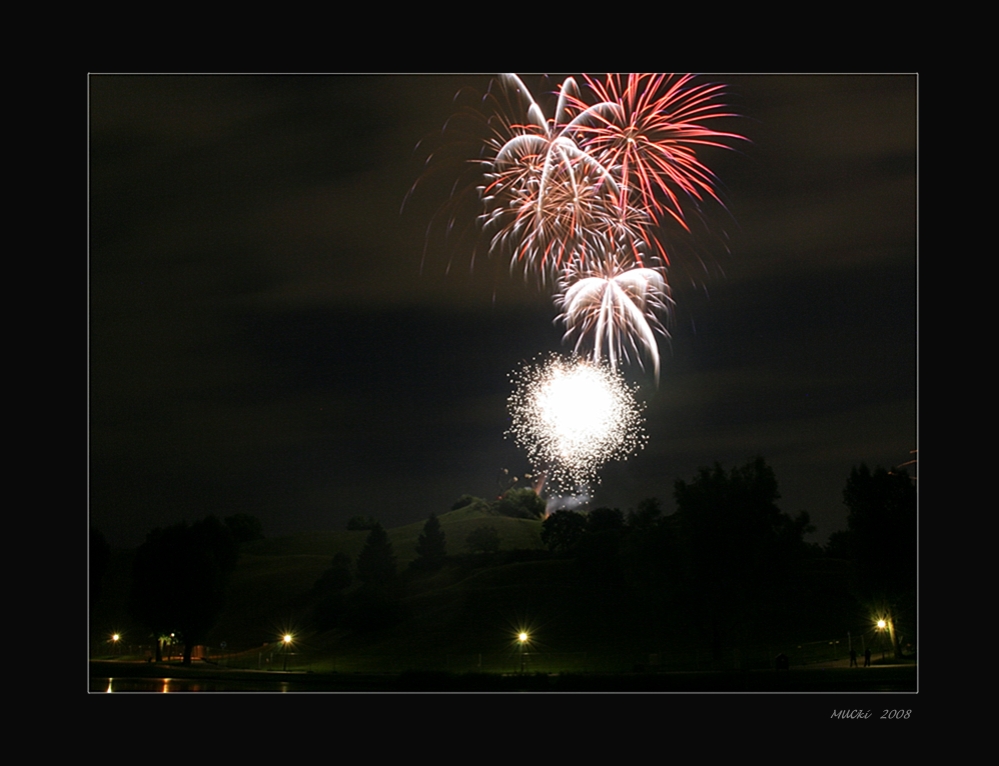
{"x": 572, "y": 416}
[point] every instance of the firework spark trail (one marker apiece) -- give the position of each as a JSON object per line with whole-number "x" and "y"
{"x": 572, "y": 416}
{"x": 577, "y": 199}
{"x": 652, "y": 134}
{"x": 616, "y": 310}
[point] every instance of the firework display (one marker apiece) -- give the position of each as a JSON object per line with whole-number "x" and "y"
{"x": 572, "y": 416}
{"x": 579, "y": 202}
{"x": 578, "y": 199}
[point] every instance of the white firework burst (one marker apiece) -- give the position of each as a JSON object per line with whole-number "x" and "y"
{"x": 614, "y": 310}
{"x": 572, "y": 416}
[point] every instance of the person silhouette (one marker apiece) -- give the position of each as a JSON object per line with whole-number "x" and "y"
{"x": 853, "y": 658}
{"x": 867, "y": 658}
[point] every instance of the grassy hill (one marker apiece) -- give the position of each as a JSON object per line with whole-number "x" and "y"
{"x": 465, "y": 617}
{"x": 271, "y": 586}
{"x": 270, "y": 590}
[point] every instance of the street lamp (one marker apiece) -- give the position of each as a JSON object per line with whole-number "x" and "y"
{"x": 522, "y": 637}
{"x": 286, "y": 642}
{"x": 881, "y": 629}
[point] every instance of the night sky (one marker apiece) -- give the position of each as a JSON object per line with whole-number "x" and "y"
{"x": 271, "y": 334}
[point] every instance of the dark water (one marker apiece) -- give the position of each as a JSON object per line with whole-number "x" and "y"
{"x": 880, "y": 680}
{"x": 170, "y": 685}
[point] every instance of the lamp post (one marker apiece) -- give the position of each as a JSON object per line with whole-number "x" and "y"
{"x": 522, "y": 637}
{"x": 286, "y": 643}
{"x": 881, "y": 629}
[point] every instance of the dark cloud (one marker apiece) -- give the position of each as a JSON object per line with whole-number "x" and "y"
{"x": 269, "y": 334}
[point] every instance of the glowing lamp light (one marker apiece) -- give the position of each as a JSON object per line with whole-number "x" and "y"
{"x": 882, "y": 624}
{"x": 522, "y": 638}
{"x": 286, "y": 640}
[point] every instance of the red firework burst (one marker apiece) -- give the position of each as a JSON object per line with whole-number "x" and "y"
{"x": 648, "y": 134}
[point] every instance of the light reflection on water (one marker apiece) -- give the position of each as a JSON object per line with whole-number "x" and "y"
{"x": 170, "y": 685}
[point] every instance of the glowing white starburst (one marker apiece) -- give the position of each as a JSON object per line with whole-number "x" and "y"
{"x": 572, "y": 416}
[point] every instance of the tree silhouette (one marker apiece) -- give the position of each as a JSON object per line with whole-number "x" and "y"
{"x": 245, "y": 527}
{"x": 562, "y": 530}
{"x": 604, "y": 520}
{"x": 598, "y": 549}
{"x": 431, "y": 546}
{"x": 882, "y": 538}
{"x": 522, "y": 503}
{"x": 337, "y": 577}
{"x": 648, "y": 514}
{"x": 179, "y": 580}
{"x": 330, "y": 601}
{"x": 736, "y": 550}
{"x": 377, "y": 603}
{"x": 376, "y": 562}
